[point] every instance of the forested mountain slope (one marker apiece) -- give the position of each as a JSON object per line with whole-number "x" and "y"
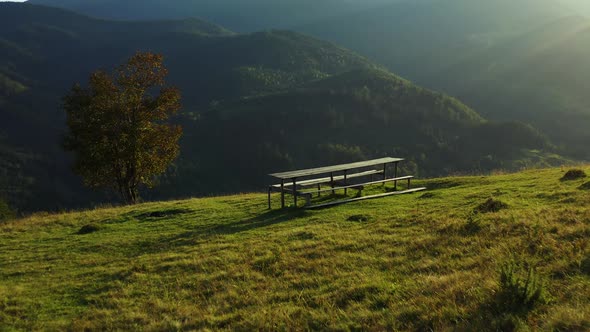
{"x": 365, "y": 113}
{"x": 509, "y": 59}
{"x": 444, "y": 45}
{"x": 252, "y": 82}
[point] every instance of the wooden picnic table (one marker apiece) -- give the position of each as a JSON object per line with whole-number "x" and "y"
{"x": 336, "y": 173}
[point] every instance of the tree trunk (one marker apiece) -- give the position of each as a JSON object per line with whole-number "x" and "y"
{"x": 128, "y": 193}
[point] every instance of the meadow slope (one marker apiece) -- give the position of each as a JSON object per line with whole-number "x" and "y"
{"x": 415, "y": 262}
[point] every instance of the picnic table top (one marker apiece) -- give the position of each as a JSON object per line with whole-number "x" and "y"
{"x": 334, "y": 168}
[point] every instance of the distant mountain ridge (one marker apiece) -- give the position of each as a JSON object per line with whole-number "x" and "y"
{"x": 416, "y": 39}
{"x": 239, "y": 15}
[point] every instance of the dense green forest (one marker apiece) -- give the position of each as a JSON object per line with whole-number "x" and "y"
{"x": 352, "y": 116}
{"x": 253, "y": 103}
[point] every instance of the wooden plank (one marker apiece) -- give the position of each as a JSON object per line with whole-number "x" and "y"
{"x": 344, "y": 201}
{"x": 312, "y": 182}
{"x": 334, "y": 168}
{"x": 364, "y": 184}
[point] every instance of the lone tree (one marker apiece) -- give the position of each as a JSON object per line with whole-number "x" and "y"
{"x": 117, "y": 126}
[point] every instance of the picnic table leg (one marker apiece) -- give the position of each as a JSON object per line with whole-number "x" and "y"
{"x": 295, "y": 191}
{"x": 269, "y": 190}
{"x": 384, "y": 174}
{"x": 319, "y": 189}
{"x": 408, "y": 183}
{"x": 395, "y": 176}
{"x": 332, "y": 182}
{"x": 282, "y": 194}
{"x": 345, "y": 184}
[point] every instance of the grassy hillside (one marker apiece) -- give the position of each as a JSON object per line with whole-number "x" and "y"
{"x": 415, "y": 262}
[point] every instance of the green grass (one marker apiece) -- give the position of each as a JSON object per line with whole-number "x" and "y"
{"x": 413, "y": 262}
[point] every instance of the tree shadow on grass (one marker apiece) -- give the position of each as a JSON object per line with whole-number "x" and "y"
{"x": 98, "y": 285}
{"x": 158, "y": 215}
{"x": 203, "y": 233}
{"x": 266, "y": 219}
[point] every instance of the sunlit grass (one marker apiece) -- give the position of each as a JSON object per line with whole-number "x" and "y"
{"x": 422, "y": 261}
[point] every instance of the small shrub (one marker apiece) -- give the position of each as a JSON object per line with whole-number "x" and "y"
{"x": 520, "y": 289}
{"x": 359, "y": 218}
{"x": 5, "y": 211}
{"x": 302, "y": 236}
{"x": 473, "y": 224}
{"x": 574, "y": 174}
{"x": 87, "y": 229}
{"x": 491, "y": 205}
{"x": 427, "y": 195}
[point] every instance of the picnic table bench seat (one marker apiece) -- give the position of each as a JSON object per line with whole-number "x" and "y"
{"x": 312, "y": 182}
{"x": 294, "y": 182}
{"x": 354, "y": 186}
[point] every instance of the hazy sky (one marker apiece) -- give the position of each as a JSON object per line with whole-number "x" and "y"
{"x": 580, "y": 5}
